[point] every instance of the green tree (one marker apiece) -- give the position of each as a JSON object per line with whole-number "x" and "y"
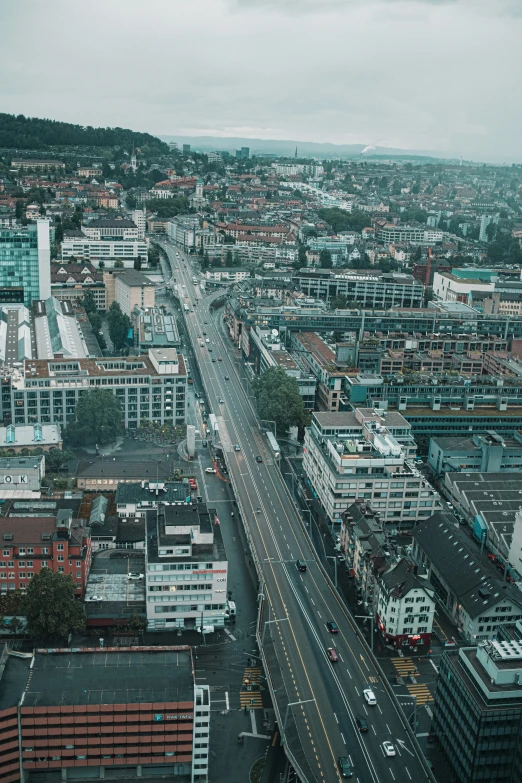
{"x": 119, "y": 325}
{"x": 153, "y": 256}
{"x": 56, "y": 459}
{"x": 89, "y": 302}
{"x": 325, "y": 259}
{"x": 228, "y": 258}
{"x": 97, "y": 419}
{"x": 96, "y": 321}
{"x": 278, "y": 399}
{"x": 19, "y": 209}
{"x": 301, "y": 256}
{"x": 118, "y": 264}
{"x": 50, "y": 607}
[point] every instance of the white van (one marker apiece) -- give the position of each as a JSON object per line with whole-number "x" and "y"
{"x": 231, "y": 608}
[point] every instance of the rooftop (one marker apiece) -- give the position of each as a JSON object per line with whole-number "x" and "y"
{"x": 105, "y": 676}
{"x": 126, "y": 471}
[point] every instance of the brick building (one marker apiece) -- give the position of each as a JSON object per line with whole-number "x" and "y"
{"x": 28, "y": 544}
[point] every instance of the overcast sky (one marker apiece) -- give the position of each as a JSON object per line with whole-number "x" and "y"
{"x": 439, "y": 75}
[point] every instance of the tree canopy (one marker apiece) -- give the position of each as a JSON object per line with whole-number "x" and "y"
{"x": 22, "y": 132}
{"x": 50, "y": 607}
{"x": 278, "y": 399}
{"x": 97, "y": 419}
{"x": 167, "y": 207}
{"x": 119, "y": 325}
{"x": 341, "y": 220}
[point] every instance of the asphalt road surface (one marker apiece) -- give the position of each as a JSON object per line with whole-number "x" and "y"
{"x": 317, "y": 700}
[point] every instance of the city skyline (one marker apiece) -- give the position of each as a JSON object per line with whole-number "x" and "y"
{"x": 407, "y": 74}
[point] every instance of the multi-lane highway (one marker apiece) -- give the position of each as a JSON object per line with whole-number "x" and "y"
{"x": 317, "y": 701}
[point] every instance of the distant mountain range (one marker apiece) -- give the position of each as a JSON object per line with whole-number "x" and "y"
{"x": 305, "y": 149}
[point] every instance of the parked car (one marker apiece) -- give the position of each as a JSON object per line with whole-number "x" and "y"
{"x": 135, "y": 576}
{"x": 210, "y": 470}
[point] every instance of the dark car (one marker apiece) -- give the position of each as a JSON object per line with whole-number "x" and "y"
{"x": 362, "y": 723}
{"x": 332, "y": 627}
{"x": 301, "y": 565}
{"x": 227, "y": 378}
{"x": 259, "y": 459}
{"x": 204, "y": 443}
{"x": 345, "y": 768}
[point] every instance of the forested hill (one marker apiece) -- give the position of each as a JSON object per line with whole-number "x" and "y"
{"x": 19, "y": 132}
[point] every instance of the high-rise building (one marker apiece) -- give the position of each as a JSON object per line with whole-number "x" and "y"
{"x": 186, "y": 149}
{"x": 243, "y": 153}
{"x": 25, "y": 263}
{"x": 477, "y": 718}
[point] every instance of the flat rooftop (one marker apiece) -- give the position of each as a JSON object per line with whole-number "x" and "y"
{"x": 110, "y": 677}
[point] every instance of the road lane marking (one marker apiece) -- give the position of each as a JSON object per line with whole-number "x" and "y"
{"x": 391, "y": 773}
{"x": 336, "y": 718}
{"x": 342, "y": 737}
{"x": 349, "y": 675}
{"x": 408, "y": 772}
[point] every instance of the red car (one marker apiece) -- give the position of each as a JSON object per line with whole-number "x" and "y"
{"x": 332, "y": 655}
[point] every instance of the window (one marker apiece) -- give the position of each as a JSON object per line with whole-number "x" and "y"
{"x": 60, "y": 558}
{"x": 45, "y": 550}
{"x": 21, "y": 551}
{"x": 78, "y": 575}
{"x": 78, "y": 564}
{"x": 21, "y": 564}
{"x": 60, "y": 569}
{"x": 60, "y": 547}
{"x": 29, "y": 564}
{"x": 30, "y": 550}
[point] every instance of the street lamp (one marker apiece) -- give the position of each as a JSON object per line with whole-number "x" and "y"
{"x": 331, "y": 557}
{"x": 268, "y": 622}
{"x": 367, "y": 617}
{"x": 414, "y": 713}
{"x": 270, "y": 421}
{"x": 292, "y": 704}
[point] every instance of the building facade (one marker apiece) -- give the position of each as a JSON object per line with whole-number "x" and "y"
{"x": 151, "y": 387}
{"x": 477, "y": 716}
{"x": 186, "y": 567}
{"x": 144, "y": 716}
{"x": 25, "y": 263}
{"x": 405, "y": 607}
{"x": 359, "y": 455}
{"x": 32, "y": 543}
{"x": 372, "y": 291}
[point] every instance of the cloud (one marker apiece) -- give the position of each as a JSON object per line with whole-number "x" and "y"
{"x": 418, "y": 74}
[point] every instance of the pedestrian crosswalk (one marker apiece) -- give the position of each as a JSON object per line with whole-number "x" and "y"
{"x": 404, "y": 666}
{"x": 421, "y": 692}
{"x": 250, "y": 695}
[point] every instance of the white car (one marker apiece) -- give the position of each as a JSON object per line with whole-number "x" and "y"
{"x": 369, "y": 695}
{"x": 134, "y": 576}
{"x": 388, "y": 748}
{"x": 210, "y": 470}
{"x": 94, "y": 598}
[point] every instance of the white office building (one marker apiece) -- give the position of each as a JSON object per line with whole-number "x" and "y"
{"x": 186, "y": 567}
{"x": 360, "y": 455}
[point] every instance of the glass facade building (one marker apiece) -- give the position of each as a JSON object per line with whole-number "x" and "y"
{"x": 25, "y": 263}
{"x": 477, "y": 719}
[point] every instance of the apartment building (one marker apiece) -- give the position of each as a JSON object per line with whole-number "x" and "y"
{"x": 465, "y": 582}
{"x": 361, "y": 455}
{"x": 364, "y": 545}
{"x": 186, "y": 567}
{"x": 266, "y": 350}
{"x": 29, "y": 544}
{"x": 71, "y": 281}
{"x": 405, "y": 607}
{"x": 378, "y": 290}
{"x": 132, "y": 290}
{"x": 36, "y": 163}
{"x": 315, "y": 356}
{"x": 150, "y": 387}
{"x": 227, "y": 274}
